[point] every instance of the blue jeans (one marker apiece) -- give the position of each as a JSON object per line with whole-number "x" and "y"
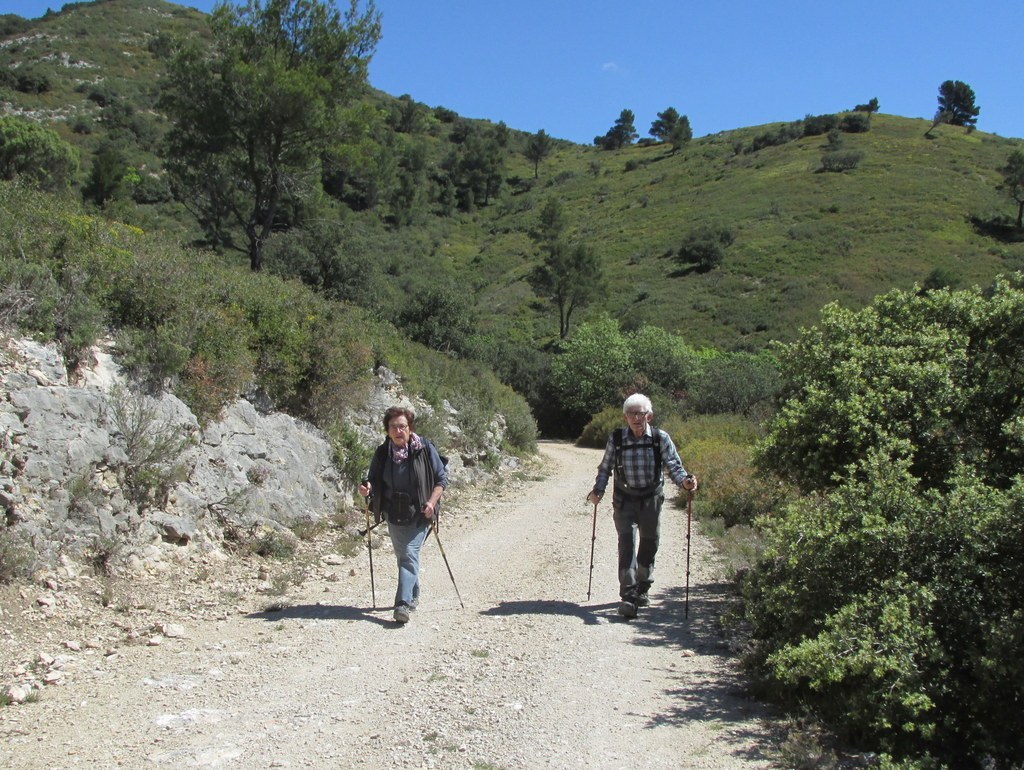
{"x": 638, "y": 524}
{"x": 407, "y": 539}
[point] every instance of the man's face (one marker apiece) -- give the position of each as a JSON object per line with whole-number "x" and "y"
{"x": 636, "y": 419}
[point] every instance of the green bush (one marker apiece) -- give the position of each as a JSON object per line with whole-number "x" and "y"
{"x": 663, "y": 358}
{"x": 36, "y": 154}
{"x": 281, "y": 316}
{"x": 887, "y": 598}
{"x": 152, "y": 444}
{"x": 816, "y": 125}
{"x": 730, "y": 487}
{"x": 350, "y": 455}
{"x": 855, "y": 123}
{"x": 595, "y": 433}
{"x": 16, "y": 556}
{"x": 893, "y": 614}
{"x": 705, "y": 246}
{"x": 736, "y": 383}
{"x": 843, "y": 160}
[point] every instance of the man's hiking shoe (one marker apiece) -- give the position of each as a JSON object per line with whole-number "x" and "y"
{"x": 402, "y": 613}
{"x": 627, "y": 609}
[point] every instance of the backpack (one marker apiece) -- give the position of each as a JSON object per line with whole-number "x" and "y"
{"x": 652, "y": 442}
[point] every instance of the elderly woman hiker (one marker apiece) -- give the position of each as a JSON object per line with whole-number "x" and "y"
{"x": 406, "y": 480}
{"x": 637, "y": 454}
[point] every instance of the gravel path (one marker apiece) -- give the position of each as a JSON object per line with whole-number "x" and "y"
{"x": 530, "y": 674}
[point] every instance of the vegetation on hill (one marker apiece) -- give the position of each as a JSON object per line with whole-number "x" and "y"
{"x": 209, "y": 331}
{"x": 455, "y": 202}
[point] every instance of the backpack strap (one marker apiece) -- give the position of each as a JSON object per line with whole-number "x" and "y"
{"x": 618, "y": 439}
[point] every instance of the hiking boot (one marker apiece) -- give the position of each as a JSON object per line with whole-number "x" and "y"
{"x": 402, "y": 613}
{"x": 642, "y": 600}
{"x": 627, "y": 609}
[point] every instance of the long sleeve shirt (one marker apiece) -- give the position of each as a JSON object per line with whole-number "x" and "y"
{"x": 638, "y": 465}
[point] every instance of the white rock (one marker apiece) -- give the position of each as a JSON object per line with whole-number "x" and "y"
{"x": 173, "y": 630}
{"x": 18, "y": 693}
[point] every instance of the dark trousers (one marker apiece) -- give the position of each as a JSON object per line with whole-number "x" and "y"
{"x": 637, "y": 522}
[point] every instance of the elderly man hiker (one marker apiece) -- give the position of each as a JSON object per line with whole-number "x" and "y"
{"x": 637, "y": 455}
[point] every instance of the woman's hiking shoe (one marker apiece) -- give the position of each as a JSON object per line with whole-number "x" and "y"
{"x": 642, "y": 600}
{"x": 627, "y": 609}
{"x": 402, "y": 613}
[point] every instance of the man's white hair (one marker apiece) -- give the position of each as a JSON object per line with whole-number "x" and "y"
{"x": 637, "y": 401}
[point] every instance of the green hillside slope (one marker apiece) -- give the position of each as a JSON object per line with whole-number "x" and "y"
{"x": 802, "y": 237}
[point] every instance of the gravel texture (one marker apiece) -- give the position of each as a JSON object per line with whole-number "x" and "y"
{"x": 208, "y": 668}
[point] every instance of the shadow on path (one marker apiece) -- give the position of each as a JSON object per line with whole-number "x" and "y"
{"x": 589, "y": 614}
{"x": 722, "y": 698}
{"x": 326, "y": 612}
{"x": 667, "y": 620}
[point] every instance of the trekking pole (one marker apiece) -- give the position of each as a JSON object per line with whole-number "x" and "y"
{"x": 593, "y": 539}
{"x": 362, "y": 532}
{"x": 369, "y": 548}
{"x": 433, "y": 526}
{"x": 689, "y": 514}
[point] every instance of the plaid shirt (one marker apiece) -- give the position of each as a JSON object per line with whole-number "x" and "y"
{"x": 638, "y": 465}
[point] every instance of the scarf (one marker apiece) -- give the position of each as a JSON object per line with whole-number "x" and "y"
{"x": 401, "y": 454}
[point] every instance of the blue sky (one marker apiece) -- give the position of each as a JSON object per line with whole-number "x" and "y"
{"x": 571, "y": 66}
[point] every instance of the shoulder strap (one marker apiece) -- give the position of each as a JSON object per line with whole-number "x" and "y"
{"x": 617, "y": 439}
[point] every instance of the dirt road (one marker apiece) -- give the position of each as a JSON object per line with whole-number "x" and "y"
{"x": 530, "y": 674}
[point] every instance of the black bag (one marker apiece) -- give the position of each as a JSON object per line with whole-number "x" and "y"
{"x": 400, "y": 509}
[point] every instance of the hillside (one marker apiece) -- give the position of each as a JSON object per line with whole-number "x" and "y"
{"x": 802, "y": 237}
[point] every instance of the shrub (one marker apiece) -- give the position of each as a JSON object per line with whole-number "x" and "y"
{"x": 786, "y": 133}
{"x": 730, "y": 487}
{"x": 887, "y": 598}
{"x": 737, "y": 383}
{"x": 844, "y": 160}
{"x": 705, "y": 246}
{"x": 595, "y": 433}
{"x": 591, "y": 370}
{"x": 443, "y": 319}
{"x": 16, "y": 556}
{"x": 816, "y": 125}
{"x": 350, "y": 455}
{"x": 664, "y": 358}
{"x": 36, "y": 154}
{"x": 31, "y": 81}
{"x": 153, "y": 445}
{"x": 855, "y": 123}
{"x": 274, "y": 544}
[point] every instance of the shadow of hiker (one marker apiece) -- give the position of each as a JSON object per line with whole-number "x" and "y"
{"x": 588, "y": 614}
{"x": 667, "y": 620}
{"x": 723, "y": 698}
{"x": 324, "y": 612}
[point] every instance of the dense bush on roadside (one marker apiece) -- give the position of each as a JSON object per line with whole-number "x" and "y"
{"x": 888, "y": 598}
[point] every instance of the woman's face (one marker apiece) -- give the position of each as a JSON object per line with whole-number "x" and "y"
{"x": 399, "y": 430}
